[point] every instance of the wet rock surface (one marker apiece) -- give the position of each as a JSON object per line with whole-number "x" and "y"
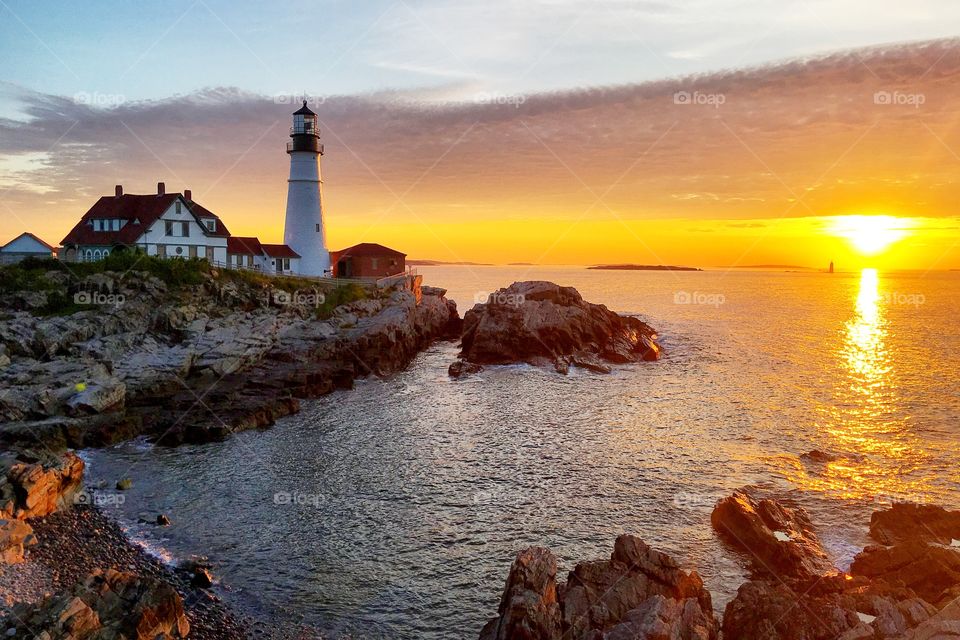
{"x": 542, "y": 323}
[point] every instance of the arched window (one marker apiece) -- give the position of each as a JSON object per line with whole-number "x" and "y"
{"x": 96, "y": 255}
{"x": 88, "y": 256}
{"x": 106, "y": 252}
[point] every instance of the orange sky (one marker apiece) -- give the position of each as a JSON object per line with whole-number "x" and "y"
{"x": 623, "y": 174}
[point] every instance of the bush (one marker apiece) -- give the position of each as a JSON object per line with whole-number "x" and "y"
{"x": 341, "y": 295}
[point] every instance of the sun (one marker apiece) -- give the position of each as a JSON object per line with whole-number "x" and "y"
{"x": 870, "y": 235}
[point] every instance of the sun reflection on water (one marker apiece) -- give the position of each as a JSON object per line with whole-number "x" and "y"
{"x": 865, "y": 426}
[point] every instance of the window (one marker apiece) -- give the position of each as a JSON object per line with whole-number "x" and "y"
{"x": 185, "y": 229}
{"x": 106, "y": 252}
{"x": 179, "y": 206}
{"x": 211, "y": 224}
{"x": 88, "y": 255}
{"x": 96, "y": 225}
{"x": 169, "y": 229}
{"x": 116, "y": 225}
{"x": 373, "y": 263}
{"x": 286, "y": 264}
{"x": 318, "y": 228}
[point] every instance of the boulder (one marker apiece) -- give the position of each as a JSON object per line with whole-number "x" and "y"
{"x": 15, "y": 535}
{"x": 461, "y": 368}
{"x": 906, "y": 521}
{"x": 929, "y": 568}
{"x": 534, "y": 322}
{"x": 780, "y": 541}
{"x": 638, "y": 593}
{"x": 106, "y": 606}
{"x": 39, "y": 488}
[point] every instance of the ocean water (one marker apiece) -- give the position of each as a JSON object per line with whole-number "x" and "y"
{"x": 394, "y": 510}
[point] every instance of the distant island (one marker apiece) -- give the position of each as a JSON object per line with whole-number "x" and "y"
{"x": 642, "y": 267}
{"x": 769, "y": 266}
{"x": 520, "y": 264}
{"x": 437, "y": 263}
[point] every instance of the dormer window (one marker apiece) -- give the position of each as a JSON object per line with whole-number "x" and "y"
{"x": 96, "y": 225}
{"x": 211, "y": 224}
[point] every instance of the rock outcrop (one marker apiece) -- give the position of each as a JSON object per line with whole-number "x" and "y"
{"x": 196, "y": 363}
{"x": 110, "y": 605}
{"x": 543, "y": 323}
{"x": 905, "y": 591}
{"x": 637, "y": 593}
{"x": 906, "y": 521}
{"x": 779, "y": 541}
{"x": 39, "y": 487}
{"x": 15, "y": 536}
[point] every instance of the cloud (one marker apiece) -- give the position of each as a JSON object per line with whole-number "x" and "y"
{"x": 801, "y": 138}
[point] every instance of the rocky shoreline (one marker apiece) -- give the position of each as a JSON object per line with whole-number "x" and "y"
{"x": 905, "y": 587}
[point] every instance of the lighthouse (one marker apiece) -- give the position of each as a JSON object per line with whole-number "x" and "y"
{"x": 304, "y": 230}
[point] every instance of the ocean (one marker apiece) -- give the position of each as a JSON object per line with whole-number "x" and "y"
{"x": 394, "y": 510}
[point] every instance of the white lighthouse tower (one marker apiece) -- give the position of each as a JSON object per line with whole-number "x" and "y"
{"x": 304, "y": 230}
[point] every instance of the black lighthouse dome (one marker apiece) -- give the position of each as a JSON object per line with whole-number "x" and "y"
{"x": 305, "y": 134}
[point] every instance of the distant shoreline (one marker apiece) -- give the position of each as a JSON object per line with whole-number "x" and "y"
{"x": 642, "y": 267}
{"x": 438, "y": 263}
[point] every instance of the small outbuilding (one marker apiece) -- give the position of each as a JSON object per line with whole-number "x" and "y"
{"x": 367, "y": 260}
{"x": 26, "y": 245}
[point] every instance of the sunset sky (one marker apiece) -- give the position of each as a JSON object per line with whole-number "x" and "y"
{"x": 708, "y": 132}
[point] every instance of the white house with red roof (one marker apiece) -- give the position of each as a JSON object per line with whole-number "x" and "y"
{"x": 168, "y": 225}
{"x": 26, "y": 245}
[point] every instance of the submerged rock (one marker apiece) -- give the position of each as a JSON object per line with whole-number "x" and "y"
{"x": 637, "y": 593}
{"x": 540, "y": 322}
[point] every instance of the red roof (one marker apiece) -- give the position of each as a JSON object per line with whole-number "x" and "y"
{"x": 29, "y": 235}
{"x": 139, "y": 211}
{"x": 368, "y": 249}
{"x": 279, "y": 251}
{"x": 239, "y": 245}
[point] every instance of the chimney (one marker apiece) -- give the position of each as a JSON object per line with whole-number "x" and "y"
{"x": 161, "y": 188}
{"x": 118, "y": 190}
{"x": 188, "y": 195}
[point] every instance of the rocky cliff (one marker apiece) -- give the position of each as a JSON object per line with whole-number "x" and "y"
{"x": 195, "y": 362}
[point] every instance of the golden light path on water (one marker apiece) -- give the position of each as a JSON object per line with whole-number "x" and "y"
{"x": 865, "y": 424}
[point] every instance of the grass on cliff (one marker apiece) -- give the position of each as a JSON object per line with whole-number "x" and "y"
{"x": 31, "y": 275}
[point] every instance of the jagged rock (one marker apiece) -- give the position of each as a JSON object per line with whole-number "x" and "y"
{"x": 106, "y": 606}
{"x": 528, "y": 608}
{"x": 638, "y": 593}
{"x": 929, "y": 568}
{"x": 35, "y": 489}
{"x": 461, "y": 368}
{"x": 15, "y": 535}
{"x": 536, "y": 321}
{"x": 905, "y": 521}
{"x": 779, "y": 541}
{"x": 822, "y": 609}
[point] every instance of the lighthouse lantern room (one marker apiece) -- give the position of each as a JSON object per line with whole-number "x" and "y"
{"x": 304, "y": 229}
